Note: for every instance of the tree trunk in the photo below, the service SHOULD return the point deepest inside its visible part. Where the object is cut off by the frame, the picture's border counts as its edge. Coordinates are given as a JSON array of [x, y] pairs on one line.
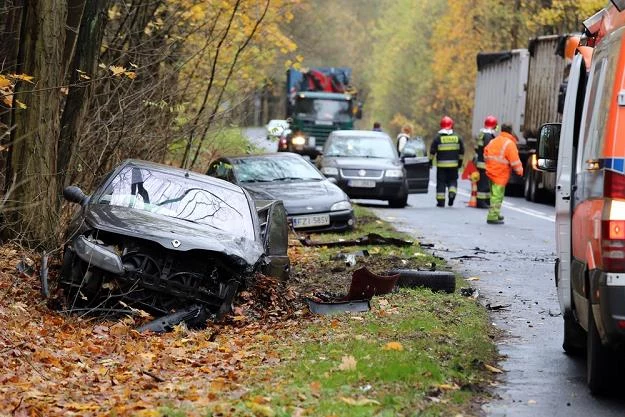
[[85, 59], [10, 19], [34, 139]]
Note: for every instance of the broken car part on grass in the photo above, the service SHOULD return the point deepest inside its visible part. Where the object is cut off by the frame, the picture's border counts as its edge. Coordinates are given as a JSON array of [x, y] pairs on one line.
[[364, 285], [163, 240], [370, 239]]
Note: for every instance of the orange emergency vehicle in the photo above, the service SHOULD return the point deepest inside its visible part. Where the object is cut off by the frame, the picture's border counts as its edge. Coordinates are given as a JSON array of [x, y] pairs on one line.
[[587, 152]]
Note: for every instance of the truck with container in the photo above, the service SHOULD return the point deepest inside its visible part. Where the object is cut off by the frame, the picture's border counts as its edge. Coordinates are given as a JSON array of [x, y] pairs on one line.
[[319, 100], [586, 151], [521, 87]]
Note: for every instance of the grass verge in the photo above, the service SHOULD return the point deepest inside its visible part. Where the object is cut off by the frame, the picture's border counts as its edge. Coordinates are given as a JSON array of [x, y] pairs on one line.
[[415, 353]]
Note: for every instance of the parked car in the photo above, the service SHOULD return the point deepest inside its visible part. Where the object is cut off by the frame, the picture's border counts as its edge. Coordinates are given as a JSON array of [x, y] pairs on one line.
[[275, 128], [159, 238], [365, 164], [312, 201]]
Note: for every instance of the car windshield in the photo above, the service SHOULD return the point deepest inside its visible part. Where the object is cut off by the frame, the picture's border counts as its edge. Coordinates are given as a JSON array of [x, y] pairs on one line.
[[171, 195], [277, 168], [323, 109], [415, 147], [360, 146]]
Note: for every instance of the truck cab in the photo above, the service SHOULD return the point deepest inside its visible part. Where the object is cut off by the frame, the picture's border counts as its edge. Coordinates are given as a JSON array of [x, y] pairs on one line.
[[314, 116], [587, 152]]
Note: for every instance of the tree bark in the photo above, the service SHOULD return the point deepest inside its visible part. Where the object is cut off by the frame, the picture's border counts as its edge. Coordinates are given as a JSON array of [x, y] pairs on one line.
[[33, 206], [85, 59]]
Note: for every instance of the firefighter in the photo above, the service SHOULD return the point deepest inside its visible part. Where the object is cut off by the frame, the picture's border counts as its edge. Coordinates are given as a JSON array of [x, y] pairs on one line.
[[501, 156], [487, 133], [448, 149]]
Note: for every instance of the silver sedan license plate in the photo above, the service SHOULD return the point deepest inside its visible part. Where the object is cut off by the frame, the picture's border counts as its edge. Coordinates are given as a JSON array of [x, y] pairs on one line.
[[311, 221], [361, 183]]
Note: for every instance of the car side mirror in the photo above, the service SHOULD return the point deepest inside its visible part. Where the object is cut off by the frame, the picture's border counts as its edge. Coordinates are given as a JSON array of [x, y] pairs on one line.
[[408, 154], [74, 194], [547, 149], [332, 180]]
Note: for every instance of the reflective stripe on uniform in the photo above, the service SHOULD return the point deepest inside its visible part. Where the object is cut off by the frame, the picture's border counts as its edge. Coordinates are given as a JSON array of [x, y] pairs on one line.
[[449, 147], [447, 164], [481, 165]]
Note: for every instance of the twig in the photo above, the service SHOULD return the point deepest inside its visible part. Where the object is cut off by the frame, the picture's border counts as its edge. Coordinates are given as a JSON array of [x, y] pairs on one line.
[[156, 377]]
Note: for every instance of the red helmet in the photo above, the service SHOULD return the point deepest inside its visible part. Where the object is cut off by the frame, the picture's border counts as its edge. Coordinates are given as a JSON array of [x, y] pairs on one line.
[[490, 122], [447, 122]]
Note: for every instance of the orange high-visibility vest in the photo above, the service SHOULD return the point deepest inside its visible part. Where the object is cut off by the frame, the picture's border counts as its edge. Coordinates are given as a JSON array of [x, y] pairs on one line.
[[501, 155]]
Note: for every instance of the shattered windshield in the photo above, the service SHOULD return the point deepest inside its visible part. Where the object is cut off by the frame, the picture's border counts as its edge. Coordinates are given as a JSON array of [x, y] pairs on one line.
[[171, 195], [325, 110], [263, 169], [360, 146]]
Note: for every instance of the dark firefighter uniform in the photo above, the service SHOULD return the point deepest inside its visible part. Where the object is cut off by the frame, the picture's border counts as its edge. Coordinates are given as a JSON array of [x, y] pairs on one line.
[[448, 150], [483, 185]]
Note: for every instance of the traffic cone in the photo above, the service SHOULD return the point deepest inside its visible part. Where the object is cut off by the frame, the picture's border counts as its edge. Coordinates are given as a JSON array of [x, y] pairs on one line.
[[473, 199]]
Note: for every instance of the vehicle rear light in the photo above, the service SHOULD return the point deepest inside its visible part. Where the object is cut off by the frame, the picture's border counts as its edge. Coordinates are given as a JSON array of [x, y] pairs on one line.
[[613, 245], [621, 324], [283, 143], [613, 185]]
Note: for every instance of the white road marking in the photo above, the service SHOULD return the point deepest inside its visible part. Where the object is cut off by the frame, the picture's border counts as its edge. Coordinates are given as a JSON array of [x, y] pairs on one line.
[[511, 206]]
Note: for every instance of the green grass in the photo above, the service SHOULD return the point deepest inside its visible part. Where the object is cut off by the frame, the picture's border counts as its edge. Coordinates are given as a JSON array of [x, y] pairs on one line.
[[224, 142], [445, 341]]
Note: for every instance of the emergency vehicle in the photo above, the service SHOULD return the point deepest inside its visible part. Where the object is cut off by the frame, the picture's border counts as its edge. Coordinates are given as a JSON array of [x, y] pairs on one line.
[[587, 152]]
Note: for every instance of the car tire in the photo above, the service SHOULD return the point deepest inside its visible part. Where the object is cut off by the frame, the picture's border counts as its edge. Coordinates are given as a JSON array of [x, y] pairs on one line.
[[574, 340], [401, 201], [599, 359], [442, 281]]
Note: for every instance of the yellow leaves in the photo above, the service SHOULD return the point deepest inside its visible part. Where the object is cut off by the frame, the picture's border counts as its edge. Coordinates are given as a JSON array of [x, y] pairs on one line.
[[261, 409], [393, 346], [493, 369], [4, 82], [348, 363], [23, 77], [118, 71]]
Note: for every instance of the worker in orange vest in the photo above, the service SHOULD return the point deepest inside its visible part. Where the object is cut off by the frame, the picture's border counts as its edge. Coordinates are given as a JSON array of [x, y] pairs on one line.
[[501, 156]]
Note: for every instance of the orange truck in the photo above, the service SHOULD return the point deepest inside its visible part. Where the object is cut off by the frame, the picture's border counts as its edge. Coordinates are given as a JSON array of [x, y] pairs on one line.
[[587, 153]]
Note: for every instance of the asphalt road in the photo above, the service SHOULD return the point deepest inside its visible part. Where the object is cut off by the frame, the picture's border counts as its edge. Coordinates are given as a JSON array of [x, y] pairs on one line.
[[514, 263]]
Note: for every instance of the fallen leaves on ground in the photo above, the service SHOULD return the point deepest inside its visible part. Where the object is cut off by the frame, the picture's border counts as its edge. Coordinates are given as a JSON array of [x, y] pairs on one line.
[[63, 365]]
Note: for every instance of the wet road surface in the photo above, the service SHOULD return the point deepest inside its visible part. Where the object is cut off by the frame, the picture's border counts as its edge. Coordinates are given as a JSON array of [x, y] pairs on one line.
[[514, 263]]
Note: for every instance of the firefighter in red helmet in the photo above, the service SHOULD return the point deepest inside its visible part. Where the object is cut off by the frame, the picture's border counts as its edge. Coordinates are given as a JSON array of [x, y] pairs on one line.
[[448, 149], [487, 133]]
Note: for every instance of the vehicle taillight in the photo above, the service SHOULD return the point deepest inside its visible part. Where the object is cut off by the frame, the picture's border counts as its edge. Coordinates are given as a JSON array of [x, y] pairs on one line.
[[283, 143], [613, 184]]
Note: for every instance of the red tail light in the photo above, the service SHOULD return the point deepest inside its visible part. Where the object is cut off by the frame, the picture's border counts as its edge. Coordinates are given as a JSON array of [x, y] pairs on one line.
[[283, 143], [613, 185]]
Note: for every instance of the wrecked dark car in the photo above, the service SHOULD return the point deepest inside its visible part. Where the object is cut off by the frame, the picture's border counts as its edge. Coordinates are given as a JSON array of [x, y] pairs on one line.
[[162, 239]]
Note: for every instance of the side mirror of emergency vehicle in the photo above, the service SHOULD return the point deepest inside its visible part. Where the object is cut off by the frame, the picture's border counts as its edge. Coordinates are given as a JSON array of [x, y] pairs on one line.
[[547, 149]]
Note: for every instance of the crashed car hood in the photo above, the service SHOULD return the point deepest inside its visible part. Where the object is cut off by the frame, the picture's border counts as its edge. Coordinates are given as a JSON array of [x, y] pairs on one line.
[[164, 230], [298, 196], [357, 163]]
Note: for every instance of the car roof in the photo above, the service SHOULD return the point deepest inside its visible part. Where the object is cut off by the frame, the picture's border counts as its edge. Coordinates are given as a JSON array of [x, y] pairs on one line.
[[139, 163], [325, 95], [264, 155], [360, 133]]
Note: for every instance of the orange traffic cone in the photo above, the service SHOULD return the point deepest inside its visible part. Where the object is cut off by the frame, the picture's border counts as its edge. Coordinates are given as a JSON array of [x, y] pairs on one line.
[[473, 199]]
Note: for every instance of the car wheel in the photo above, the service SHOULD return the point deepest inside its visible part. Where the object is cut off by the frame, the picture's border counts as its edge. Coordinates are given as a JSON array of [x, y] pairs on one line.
[[400, 202], [435, 280], [574, 341], [599, 359]]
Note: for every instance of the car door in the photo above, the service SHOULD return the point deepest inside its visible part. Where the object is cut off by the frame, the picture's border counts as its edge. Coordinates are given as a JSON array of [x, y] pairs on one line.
[[565, 175], [417, 166], [275, 235]]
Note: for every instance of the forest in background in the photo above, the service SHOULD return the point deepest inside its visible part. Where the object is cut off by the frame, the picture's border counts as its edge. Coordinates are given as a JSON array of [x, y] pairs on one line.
[[415, 60], [87, 83]]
